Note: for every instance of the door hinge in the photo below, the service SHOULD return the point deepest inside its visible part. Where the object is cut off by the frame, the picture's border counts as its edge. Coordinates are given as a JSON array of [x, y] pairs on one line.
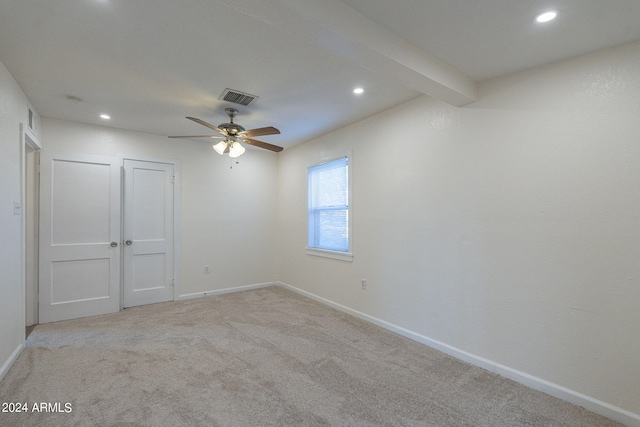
[[173, 179], [173, 282]]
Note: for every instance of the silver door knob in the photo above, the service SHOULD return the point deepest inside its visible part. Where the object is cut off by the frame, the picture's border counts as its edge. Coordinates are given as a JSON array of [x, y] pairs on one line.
[[128, 242], [114, 244]]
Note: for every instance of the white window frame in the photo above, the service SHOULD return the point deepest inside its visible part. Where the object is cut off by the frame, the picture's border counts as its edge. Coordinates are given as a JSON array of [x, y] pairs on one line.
[[326, 253]]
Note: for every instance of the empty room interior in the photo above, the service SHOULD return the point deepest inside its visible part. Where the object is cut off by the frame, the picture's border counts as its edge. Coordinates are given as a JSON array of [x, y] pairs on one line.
[[320, 212]]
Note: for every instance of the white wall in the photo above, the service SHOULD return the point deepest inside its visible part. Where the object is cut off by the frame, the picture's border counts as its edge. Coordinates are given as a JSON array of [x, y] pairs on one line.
[[13, 111], [227, 214], [507, 229]]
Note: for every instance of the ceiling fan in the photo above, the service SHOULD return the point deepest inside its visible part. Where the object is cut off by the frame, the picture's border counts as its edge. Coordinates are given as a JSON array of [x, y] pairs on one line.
[[233, 134]]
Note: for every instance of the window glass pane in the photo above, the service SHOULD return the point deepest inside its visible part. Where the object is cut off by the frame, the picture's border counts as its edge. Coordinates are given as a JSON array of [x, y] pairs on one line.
[[330, 187], [328, 206], [334, 234]]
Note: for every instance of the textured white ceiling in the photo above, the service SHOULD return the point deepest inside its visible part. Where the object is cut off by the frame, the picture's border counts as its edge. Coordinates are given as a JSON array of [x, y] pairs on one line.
[[150, 63], [490, 38]]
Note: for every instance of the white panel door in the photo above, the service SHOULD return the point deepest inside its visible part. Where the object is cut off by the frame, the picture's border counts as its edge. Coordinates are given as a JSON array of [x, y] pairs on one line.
[[148, 232], [79, 236]]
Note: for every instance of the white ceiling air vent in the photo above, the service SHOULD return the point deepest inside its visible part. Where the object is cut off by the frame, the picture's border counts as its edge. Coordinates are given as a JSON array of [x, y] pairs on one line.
[[237, 97]]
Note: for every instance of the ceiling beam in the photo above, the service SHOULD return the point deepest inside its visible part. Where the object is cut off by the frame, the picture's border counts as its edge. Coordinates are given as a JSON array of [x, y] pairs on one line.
[[334, 26]]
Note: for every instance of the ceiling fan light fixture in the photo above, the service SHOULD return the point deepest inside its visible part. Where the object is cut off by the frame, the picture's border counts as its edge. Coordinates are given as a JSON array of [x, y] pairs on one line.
[[220, 147], [236, 150]]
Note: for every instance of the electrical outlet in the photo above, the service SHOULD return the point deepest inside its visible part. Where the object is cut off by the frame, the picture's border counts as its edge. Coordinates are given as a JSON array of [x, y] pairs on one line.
[[206, 269], [364, 284]]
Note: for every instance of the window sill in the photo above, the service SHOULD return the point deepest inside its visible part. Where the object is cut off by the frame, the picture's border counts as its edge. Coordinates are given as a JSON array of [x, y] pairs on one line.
[[340, 256]]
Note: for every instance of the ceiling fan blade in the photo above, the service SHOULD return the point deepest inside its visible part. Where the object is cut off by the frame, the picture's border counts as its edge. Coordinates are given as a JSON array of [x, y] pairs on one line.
[[197, 136], [264, 145], [203, 123], [269, 130]]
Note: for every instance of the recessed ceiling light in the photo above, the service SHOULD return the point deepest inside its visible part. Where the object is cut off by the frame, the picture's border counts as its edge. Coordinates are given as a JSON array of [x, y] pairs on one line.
[[358, 90], [546, 16], [105, 116]]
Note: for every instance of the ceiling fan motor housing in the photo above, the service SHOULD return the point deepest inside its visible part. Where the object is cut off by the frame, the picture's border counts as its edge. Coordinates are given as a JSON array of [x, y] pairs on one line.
[[231, 129]]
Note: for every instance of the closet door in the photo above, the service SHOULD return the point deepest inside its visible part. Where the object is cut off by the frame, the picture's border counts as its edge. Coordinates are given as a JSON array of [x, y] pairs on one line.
[[148, 232], [79, 236]]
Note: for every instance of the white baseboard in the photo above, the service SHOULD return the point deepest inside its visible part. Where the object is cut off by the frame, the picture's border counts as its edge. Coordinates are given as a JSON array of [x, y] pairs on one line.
[[602, 408], [10, 361], [226, 290]]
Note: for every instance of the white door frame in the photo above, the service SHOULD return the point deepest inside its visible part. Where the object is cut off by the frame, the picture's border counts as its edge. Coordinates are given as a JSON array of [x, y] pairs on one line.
[[177, 197], [29, 143]]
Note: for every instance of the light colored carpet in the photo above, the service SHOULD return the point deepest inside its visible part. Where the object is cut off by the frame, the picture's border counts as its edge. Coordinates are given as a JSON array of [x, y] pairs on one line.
[[266, 357]]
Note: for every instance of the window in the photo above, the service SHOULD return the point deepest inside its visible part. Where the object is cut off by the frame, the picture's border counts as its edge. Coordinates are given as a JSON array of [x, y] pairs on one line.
[[328, 224]]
